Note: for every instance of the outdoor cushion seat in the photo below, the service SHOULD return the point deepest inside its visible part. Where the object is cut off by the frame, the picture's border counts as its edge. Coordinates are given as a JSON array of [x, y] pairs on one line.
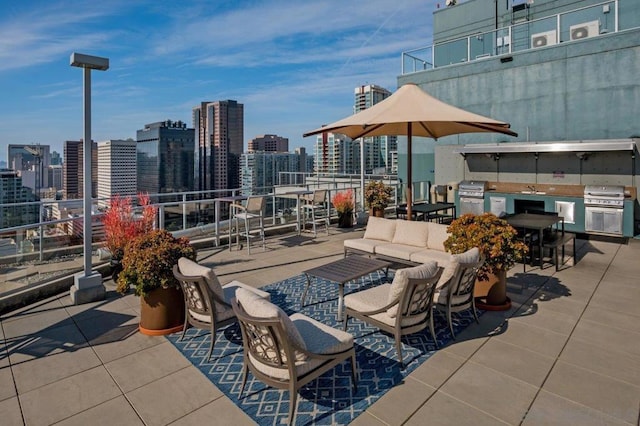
[[288, 352], [456, 294], [403, 307], [364, 244], [399, 251], [207, 303], [424, 256]]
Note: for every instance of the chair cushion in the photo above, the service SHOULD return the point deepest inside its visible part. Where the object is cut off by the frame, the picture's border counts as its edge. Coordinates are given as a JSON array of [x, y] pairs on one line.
[[437, 236], [401, 279], [411, 233], [379, 228], [191, 269], [258, 307], [321, 338], [375, 298], [470, 256], [229, 290]]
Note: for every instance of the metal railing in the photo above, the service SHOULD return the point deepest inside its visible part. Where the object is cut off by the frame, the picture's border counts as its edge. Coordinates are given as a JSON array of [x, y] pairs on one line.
[[28, 251], [577, 24]]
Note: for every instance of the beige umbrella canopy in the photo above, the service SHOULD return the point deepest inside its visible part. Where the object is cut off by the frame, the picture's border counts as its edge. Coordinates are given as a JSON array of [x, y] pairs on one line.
[[410, 111]]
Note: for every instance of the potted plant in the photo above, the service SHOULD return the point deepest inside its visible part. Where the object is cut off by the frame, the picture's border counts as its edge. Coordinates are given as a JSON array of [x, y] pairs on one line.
[[344, 205], [148, 268], [377, 196], [121, 225], [498, 241]]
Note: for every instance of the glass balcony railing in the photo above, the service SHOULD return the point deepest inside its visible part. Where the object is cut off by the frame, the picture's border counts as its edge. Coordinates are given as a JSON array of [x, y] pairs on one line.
[[589, 21], [42, 251]]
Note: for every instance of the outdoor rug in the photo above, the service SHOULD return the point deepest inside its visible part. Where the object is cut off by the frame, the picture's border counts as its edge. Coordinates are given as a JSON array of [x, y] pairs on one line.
[[330, 399]]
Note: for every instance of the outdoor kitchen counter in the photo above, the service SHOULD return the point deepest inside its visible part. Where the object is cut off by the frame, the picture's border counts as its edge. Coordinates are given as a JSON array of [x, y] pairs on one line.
[[551, 190]]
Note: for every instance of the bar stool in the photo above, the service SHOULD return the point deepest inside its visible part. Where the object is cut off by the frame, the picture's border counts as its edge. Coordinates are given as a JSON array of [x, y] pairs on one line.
[[254, 209], [316, 203]]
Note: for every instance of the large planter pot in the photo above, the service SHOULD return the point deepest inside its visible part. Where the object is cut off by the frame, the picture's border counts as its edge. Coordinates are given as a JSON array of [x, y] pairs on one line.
[[345, 219], [377, 212], [491, 294], [162, 311]]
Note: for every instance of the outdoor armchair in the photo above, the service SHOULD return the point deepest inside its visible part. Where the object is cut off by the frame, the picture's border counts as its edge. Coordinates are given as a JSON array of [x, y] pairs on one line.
[[403, 307], [288, 352], [207, 303]]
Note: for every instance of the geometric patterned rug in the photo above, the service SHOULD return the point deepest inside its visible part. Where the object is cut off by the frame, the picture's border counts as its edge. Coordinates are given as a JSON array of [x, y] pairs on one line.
[[330, 399]]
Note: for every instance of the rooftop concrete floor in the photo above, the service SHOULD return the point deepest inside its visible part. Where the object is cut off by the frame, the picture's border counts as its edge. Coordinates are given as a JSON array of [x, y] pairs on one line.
[[567, 352]]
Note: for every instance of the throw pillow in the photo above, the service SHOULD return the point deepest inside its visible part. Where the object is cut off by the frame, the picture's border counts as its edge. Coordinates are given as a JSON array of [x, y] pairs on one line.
[[401, 279], [258, 307]]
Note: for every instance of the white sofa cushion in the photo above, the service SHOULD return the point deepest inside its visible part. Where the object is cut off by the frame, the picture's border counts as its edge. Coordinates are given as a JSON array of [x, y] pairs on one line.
[[399, 251], [437, 236], [379, 228], [401, 279], [424, 256], [411, 233], [229, 290], [363, 244]]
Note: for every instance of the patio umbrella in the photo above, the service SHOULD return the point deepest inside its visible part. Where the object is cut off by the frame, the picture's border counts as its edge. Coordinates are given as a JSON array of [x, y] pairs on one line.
[[410, 111]]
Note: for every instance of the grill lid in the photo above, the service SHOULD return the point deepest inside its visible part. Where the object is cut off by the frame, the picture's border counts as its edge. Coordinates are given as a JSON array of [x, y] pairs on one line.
[[473, 185], [605, 191]]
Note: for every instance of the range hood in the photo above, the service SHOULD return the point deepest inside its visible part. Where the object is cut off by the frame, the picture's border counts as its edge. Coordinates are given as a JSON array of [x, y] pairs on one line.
[[560, 146]]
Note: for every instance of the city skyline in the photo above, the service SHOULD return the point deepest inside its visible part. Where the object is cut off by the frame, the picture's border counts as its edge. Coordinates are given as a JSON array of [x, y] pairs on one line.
[[293, 66]]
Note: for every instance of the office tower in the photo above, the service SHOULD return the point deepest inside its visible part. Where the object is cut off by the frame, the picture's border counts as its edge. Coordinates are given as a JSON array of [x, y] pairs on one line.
[[33, 159], [116, 169], [165, 154], [260, 171], [56, 159], [72, 175], [13, 192], [378, 149], [268, 143], [55, 176], [336, 153], [219, 136]]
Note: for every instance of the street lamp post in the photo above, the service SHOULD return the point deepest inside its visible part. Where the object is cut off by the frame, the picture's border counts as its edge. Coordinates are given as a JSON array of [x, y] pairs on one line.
[[88, 285]]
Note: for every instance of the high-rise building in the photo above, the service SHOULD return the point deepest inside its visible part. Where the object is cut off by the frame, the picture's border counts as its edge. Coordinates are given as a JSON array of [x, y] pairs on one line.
[[165, 153], [33, 159], [116, 169], [268, 143], [56, 159], [260, 171], [378, 150], [219, 140], [336, 154], [13, 192], [72, 174]]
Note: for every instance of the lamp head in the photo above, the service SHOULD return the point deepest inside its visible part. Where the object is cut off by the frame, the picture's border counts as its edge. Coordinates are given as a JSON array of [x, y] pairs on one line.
[[87, 61]]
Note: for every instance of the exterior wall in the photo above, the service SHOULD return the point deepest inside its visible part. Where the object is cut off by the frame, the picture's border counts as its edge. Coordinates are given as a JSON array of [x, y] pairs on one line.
[[116, 169], [268, 143]]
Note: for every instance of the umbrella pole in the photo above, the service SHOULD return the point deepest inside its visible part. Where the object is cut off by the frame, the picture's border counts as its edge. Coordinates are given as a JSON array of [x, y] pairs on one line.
[[409, 174]]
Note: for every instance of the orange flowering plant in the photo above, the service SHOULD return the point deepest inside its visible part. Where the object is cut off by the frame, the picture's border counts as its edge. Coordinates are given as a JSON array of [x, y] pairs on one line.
[[343, 201], [121, 224], [495, 238]]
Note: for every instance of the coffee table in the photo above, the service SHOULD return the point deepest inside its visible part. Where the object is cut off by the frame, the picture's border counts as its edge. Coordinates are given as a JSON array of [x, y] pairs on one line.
[[342, 271]]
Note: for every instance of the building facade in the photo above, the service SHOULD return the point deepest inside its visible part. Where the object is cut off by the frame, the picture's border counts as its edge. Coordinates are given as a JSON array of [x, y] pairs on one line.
[[260, 171], [13, 192], [116, 170], [378, 150], [72, 173], [32, 162], [165, 157], [336, 154], [268, 143], [555, 70], [219, 141]]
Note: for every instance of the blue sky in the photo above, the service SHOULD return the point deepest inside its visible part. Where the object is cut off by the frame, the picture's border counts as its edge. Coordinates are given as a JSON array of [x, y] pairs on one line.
[[293, 64]]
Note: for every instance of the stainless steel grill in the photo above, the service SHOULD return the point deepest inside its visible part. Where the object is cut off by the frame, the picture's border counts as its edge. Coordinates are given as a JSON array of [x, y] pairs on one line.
[[604, 196], [604, 209], [471, 195]]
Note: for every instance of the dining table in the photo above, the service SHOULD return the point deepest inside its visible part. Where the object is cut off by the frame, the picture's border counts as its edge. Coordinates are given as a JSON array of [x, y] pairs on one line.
[[428, 210], [535, 222]]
